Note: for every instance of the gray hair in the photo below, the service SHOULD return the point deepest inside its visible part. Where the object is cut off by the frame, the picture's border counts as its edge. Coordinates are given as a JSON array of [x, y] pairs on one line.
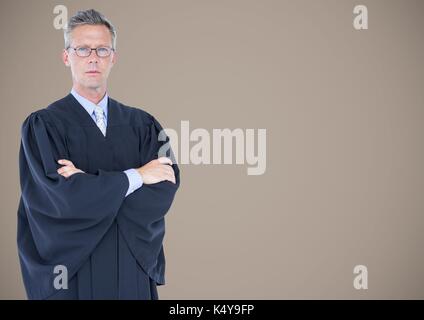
[[88, 17]]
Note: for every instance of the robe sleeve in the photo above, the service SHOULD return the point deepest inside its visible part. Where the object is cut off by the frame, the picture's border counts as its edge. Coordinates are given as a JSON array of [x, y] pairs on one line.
[[60, 220], [141, 217]]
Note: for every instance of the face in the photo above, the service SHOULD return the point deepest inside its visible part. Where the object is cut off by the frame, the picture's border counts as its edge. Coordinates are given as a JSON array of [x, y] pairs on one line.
[[89, 73]]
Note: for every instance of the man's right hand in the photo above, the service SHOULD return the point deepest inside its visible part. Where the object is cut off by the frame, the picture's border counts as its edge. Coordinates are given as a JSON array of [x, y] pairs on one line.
[[157, 170]]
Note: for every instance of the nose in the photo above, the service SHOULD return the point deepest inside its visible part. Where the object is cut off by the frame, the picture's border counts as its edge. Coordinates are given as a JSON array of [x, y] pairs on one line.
[[93, 58]]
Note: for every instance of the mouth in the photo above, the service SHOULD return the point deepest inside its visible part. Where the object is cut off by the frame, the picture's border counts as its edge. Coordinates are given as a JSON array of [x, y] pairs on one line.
[[92, 72]]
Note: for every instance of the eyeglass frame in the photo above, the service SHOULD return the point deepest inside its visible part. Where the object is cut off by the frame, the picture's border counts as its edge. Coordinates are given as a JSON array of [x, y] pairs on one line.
[[91, 50]]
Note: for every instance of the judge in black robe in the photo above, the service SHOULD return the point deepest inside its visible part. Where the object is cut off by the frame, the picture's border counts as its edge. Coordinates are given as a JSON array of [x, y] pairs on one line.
[[111, 245]]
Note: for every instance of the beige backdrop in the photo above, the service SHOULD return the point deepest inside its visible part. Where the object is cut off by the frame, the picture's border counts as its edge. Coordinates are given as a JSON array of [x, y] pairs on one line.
[[344, 113]]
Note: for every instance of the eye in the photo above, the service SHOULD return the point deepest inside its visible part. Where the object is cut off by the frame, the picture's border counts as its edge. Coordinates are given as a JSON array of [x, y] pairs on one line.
[[83, 50], [103, 51]]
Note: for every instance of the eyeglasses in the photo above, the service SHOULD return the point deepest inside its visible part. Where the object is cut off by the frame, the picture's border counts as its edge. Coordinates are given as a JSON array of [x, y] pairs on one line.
[[102, 52]]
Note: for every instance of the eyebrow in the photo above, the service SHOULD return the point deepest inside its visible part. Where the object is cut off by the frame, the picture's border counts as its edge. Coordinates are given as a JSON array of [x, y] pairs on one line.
[[86, 45]]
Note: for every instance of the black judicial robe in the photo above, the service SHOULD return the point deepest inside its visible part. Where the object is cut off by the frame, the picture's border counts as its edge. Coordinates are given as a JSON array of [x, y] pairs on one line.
[[111, 245]]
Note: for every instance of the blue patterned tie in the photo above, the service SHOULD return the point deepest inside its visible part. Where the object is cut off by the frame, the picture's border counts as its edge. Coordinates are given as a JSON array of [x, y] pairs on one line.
[[100, 119]]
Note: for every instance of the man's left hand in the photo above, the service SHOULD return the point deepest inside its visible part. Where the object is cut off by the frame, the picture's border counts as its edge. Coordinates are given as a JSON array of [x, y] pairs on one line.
[[68, 169]]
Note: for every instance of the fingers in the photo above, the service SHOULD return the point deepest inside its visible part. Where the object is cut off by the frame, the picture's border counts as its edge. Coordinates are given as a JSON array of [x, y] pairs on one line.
[[165, 160], [164, 172], [169, 174], [158, 170], [172, 179], [169, 171], [68, 169], [66, 162], [64, 169]]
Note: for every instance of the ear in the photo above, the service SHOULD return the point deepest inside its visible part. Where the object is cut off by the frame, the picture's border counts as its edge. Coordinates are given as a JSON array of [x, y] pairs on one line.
[[114, 57], [65, 58]]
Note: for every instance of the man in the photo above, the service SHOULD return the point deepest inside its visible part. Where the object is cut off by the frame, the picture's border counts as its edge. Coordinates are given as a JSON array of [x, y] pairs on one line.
[[95, 188]]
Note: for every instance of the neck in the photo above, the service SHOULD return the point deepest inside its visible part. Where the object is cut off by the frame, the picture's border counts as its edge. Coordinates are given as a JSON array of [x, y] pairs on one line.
[[95, 95]]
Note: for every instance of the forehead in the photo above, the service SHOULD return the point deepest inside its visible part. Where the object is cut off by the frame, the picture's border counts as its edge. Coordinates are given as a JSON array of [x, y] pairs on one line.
[[92, 35]]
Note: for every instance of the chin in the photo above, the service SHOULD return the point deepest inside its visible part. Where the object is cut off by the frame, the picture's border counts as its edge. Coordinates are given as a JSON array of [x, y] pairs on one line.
[[92, 84]]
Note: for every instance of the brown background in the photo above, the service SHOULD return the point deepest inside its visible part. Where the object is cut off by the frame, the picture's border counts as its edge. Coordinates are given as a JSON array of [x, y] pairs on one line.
[[343, 111]]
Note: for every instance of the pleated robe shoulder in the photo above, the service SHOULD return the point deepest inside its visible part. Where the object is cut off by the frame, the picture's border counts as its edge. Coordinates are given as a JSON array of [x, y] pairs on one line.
[[110, 245]]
